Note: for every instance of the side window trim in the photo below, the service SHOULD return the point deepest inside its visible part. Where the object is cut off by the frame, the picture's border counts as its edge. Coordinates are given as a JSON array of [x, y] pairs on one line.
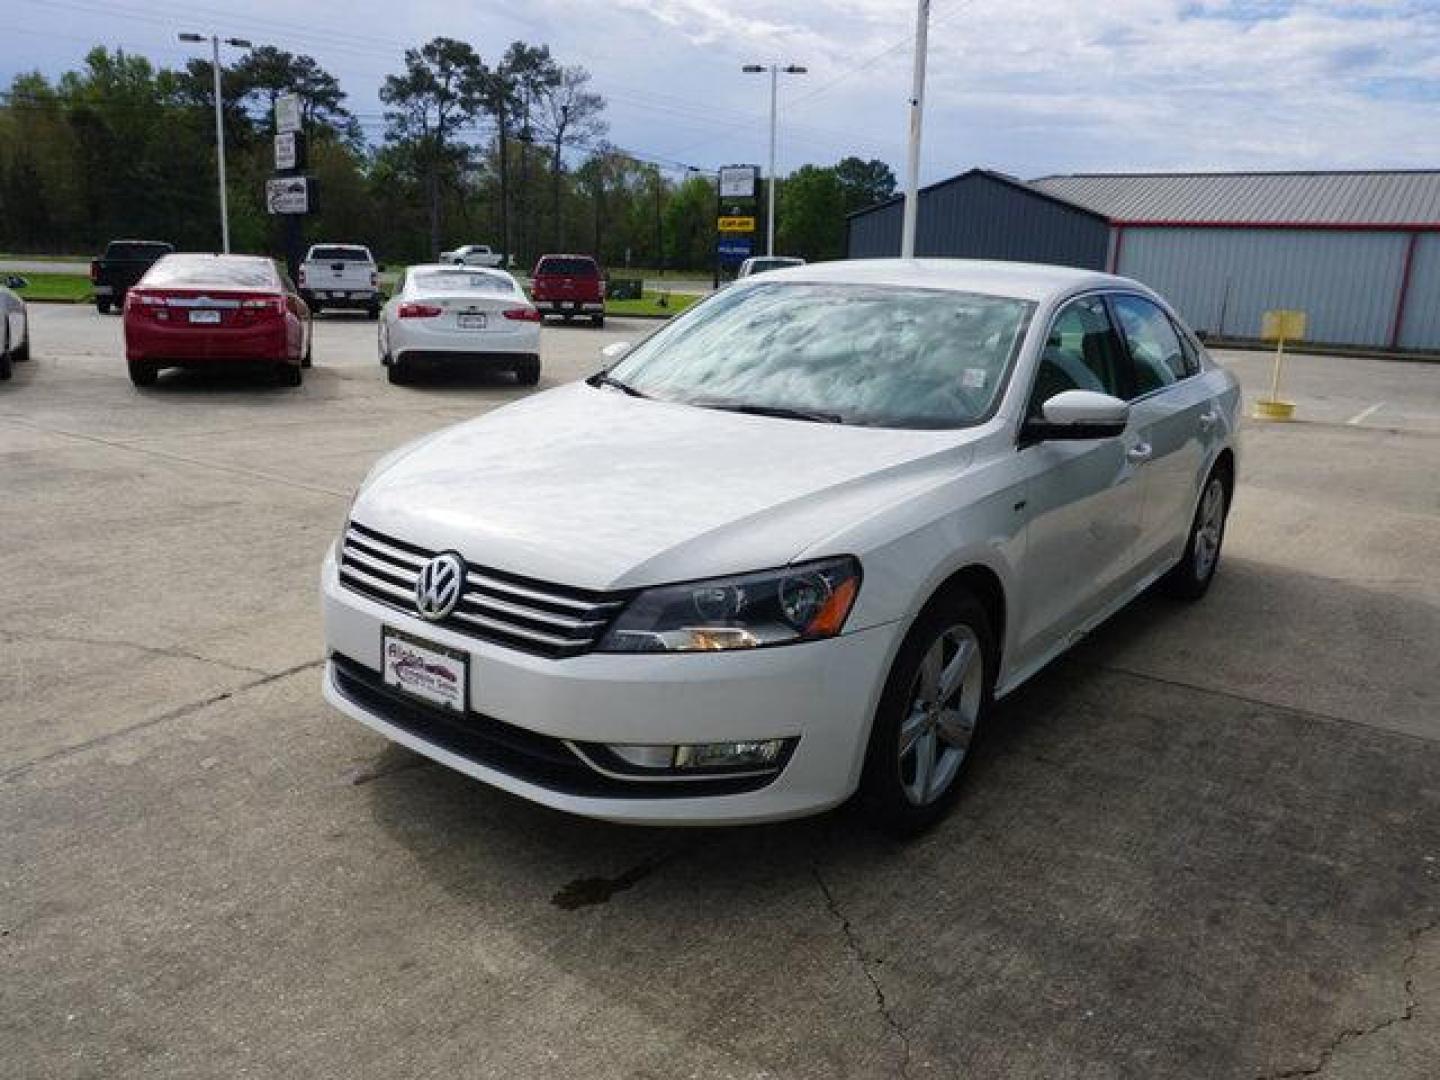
[[1102, 295]]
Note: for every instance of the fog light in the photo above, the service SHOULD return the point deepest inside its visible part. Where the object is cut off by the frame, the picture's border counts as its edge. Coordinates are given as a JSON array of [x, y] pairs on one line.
[[759, 754], [646, 757]]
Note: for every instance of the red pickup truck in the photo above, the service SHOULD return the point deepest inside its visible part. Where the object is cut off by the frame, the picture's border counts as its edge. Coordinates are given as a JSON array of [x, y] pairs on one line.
[[569, 285]]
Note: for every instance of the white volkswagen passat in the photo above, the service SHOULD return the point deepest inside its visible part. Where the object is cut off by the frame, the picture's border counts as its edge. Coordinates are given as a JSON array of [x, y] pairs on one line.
[[790, 547], [449, 315]]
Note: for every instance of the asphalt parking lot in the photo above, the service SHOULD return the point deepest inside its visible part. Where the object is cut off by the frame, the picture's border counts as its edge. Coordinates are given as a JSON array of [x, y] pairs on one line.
[[1206, 844]]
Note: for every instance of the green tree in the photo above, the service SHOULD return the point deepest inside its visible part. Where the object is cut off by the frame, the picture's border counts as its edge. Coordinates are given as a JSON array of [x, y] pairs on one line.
[[440, 91], [811, 215], [864, 182]]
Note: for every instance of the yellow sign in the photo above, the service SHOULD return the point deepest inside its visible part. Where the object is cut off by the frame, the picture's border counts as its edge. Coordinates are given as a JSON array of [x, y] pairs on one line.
[[1283, 326], [735, 224]]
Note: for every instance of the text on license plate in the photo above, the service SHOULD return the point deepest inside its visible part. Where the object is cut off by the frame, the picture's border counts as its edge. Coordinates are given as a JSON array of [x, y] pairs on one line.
[[204, 316], [470, 322], [423, 669]]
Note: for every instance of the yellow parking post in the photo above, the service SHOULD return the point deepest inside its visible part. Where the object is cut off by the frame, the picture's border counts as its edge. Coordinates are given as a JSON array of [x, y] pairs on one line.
[[1279, 326]]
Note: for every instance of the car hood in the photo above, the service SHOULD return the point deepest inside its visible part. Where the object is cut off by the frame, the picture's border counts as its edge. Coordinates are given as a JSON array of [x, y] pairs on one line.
[[595, 489]]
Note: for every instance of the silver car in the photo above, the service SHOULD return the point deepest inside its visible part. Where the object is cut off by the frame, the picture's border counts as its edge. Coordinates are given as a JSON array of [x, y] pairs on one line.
[[14, 326]]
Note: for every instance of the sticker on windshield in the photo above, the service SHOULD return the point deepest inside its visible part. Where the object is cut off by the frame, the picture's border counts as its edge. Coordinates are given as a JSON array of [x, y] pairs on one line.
[[974, 378]]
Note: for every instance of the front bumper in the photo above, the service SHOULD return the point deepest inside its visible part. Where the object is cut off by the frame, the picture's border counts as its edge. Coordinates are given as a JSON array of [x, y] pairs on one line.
[[821, 693]]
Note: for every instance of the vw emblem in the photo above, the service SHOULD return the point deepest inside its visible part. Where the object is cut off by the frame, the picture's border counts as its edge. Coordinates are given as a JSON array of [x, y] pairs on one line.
[[438, 588]]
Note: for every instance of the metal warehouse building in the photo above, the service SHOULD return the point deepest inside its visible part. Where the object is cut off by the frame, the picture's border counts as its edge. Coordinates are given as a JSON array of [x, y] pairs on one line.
[[1358, 251]]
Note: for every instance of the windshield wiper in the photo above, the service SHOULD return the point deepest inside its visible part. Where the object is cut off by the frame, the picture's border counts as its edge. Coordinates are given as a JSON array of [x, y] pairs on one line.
[[604, 378], [781, 411]]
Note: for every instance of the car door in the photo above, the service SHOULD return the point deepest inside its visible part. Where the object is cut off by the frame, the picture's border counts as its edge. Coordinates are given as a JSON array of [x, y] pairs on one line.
[[1174, 418], [1083, 498]]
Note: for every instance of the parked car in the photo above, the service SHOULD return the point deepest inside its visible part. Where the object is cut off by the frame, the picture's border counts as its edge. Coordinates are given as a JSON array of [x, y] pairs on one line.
[[569, 285], [442, 315], [473, 255], [790, 547], [14, 326], [202, 311], [340, 276], [123, 264], [759, 264]]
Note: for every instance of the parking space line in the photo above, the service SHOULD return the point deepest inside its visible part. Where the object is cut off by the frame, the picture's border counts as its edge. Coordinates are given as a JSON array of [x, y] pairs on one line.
[[1365, 414]]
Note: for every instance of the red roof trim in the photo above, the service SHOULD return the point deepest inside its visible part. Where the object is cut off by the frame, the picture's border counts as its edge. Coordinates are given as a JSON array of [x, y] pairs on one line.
[[1319, 226]]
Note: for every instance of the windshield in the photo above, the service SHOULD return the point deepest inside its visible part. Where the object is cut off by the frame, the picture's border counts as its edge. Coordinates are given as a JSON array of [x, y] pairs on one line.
[[210, 270], [866, 354], [451, 280]]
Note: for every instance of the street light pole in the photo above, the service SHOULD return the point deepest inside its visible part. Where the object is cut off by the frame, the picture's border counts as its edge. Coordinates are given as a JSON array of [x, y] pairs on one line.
[[917, 114], [239, 43], [775, 70]]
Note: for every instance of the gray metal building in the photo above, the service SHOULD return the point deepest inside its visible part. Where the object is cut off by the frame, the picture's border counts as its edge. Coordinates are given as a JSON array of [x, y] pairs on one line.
[[1358, 251]]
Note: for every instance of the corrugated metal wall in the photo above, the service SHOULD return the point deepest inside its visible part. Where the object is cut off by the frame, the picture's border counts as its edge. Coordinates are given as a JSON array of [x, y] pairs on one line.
[[977, 217], [1421, 326], [1223, 280]]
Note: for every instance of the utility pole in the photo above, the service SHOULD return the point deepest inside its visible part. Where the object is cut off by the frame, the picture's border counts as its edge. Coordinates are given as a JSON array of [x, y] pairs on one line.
[[917, 114], [775, 71], [239, 43]]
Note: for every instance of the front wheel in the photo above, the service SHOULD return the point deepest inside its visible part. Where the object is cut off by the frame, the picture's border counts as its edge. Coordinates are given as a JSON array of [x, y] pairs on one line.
[[1191, 577], [934, 704]]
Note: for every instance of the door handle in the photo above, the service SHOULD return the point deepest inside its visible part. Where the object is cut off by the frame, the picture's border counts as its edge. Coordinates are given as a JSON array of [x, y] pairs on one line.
[[1139, 453]]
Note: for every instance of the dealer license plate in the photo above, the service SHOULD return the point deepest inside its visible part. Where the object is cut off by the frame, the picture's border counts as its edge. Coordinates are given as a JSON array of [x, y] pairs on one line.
[[205, 317], [433, 673], [471, 322]]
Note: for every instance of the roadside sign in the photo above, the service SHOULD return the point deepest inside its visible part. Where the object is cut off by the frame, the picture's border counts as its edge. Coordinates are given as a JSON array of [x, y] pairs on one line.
[[288, 195], [287, 113], [735, 249], [735, 224], [287, 151], [1283, 326], [738, 181]]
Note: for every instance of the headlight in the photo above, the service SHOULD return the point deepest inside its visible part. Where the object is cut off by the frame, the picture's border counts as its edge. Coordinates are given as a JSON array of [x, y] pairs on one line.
[[771, 607]]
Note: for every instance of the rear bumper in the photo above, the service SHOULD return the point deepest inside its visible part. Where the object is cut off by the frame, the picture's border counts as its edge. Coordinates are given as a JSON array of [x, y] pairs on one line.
[[569, 307], [336, 298], [464, 356], [193, 345]]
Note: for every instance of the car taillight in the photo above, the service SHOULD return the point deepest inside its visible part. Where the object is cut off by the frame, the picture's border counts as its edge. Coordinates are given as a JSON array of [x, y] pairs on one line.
[[300, 275], [269, 305], [374, 280], [419, 311], [522, 314], [147, 304]]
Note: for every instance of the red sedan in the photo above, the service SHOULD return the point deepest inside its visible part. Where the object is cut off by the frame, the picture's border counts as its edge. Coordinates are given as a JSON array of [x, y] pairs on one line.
[[199, 311]]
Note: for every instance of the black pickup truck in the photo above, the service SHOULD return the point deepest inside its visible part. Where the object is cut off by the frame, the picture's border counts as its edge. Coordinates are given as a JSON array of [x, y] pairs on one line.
[[123, 264]]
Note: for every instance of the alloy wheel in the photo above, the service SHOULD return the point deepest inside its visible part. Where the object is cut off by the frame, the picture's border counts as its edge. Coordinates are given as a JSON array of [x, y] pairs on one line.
[[1209, 527], [941, 715]]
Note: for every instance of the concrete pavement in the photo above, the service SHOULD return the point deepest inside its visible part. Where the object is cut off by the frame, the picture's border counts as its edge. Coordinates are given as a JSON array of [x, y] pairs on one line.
[[1205, 844]]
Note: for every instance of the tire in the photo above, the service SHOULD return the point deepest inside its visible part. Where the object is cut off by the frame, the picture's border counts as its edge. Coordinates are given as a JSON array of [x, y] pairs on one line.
[[1190, 579], [308, 359], [6, 365], [102, 306], [22, 354], [143, 374], [397, 373], [898, 793], [597, 321], [527, 371], [374, 313], [291, 374]]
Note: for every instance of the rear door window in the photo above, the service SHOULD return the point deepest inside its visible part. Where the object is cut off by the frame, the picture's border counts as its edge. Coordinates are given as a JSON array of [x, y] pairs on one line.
[[1155, 349]]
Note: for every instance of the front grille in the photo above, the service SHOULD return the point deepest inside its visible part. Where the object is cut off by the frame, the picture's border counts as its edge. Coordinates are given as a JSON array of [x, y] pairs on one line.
[[532, 616]]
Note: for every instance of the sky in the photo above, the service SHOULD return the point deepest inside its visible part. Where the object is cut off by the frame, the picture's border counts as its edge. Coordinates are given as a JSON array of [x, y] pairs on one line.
[[1028, 87]]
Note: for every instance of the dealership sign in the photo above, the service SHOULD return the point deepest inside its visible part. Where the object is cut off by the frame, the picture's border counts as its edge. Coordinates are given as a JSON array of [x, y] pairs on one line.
[[735, 224], [734, 249], [288, 195], [287, 151], [738, 181]]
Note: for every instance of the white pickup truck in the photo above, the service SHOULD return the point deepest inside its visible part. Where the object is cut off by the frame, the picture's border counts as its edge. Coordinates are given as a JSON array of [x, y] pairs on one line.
[[473, 255], [341, 276]]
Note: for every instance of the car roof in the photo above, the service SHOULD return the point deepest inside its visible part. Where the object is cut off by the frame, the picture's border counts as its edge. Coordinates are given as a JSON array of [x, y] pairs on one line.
[[1024, 281], [566, 255]]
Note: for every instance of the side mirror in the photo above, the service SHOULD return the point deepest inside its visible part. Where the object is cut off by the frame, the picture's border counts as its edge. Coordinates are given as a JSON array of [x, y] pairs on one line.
[[15, 281], [615, 350], [1079, 414]]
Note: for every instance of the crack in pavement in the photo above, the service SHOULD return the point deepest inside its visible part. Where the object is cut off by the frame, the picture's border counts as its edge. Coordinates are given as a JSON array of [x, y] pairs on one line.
[[852, 946], [1352, 1034], [150, 650], [172, 714]]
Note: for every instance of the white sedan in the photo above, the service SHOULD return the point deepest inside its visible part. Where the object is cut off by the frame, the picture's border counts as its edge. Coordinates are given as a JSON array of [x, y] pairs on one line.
[[791, 547], [14, 325], [444, 315]]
